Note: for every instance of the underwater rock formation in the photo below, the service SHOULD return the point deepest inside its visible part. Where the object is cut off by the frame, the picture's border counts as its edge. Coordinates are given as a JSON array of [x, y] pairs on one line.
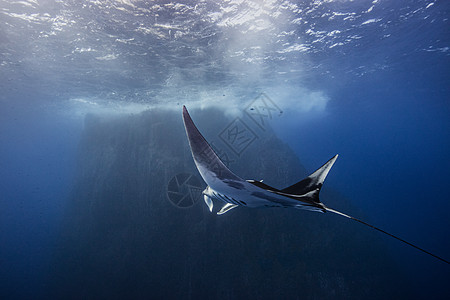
[[123, 238]]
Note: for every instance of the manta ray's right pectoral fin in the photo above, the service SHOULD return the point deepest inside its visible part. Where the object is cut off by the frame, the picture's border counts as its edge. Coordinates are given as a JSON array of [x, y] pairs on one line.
[[226, 207], [208, 202]]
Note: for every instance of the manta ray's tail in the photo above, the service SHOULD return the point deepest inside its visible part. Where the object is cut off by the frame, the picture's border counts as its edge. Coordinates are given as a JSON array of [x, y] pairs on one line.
[[381, 230], [312, 184]]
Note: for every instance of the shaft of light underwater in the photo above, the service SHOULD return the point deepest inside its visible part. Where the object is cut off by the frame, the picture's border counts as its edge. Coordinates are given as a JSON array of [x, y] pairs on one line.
[[381, 230]]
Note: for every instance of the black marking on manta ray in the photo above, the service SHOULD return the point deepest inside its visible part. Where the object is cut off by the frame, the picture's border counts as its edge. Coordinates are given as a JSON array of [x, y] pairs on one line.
[[277, 200], [227, 199], [265, 196], [224, 198], [231, 199], [305, 192], [234, 184], [219, 196], [263, 185]]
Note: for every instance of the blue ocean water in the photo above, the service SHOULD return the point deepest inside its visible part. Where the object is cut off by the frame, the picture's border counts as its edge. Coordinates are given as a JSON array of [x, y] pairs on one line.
[[368, 80]]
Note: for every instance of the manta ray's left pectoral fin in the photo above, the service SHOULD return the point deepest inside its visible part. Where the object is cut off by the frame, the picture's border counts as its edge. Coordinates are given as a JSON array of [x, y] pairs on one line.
[[227, 207]]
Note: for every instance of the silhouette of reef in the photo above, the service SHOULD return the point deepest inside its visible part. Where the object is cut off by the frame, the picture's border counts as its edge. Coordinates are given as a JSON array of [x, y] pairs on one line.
[[123, 238]]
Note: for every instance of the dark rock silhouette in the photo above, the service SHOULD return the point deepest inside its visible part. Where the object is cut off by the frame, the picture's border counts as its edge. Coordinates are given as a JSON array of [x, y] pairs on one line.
[[124, 239]]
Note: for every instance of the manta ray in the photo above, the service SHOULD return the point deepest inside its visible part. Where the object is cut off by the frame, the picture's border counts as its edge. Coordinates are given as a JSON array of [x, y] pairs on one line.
[[231, 191]]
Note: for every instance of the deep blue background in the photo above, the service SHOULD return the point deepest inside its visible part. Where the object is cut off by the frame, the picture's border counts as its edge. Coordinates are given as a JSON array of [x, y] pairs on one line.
[[388, 117], [37, 165]]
